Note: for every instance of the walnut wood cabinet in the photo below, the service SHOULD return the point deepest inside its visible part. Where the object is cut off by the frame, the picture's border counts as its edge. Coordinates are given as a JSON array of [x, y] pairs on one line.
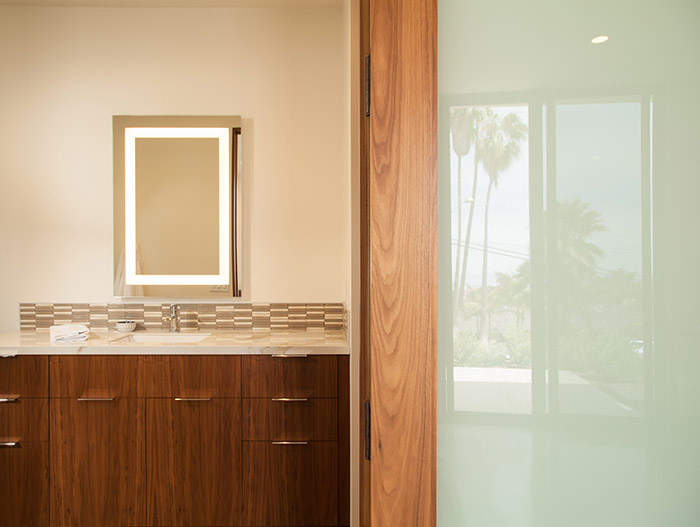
[[193, 449], [24, 447], [98, 433], [292, 448], [177, 440]]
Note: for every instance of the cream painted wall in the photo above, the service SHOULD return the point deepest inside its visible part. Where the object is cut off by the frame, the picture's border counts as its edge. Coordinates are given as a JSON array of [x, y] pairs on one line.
[[353, 99], [66, 71]]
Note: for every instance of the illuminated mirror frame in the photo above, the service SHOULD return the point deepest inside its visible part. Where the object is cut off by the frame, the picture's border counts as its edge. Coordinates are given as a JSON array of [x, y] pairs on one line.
[[131, 134]]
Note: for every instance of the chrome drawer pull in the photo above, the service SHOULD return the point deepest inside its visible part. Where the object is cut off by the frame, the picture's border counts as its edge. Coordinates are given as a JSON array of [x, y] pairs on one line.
[[290, 442], [9, 398], [95, 399], [10, 441], [295, 356], [203, 399], [289, 399]]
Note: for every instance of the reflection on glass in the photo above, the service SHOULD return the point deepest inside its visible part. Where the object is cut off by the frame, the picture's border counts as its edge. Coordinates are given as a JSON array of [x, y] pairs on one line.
[[490, 271], [569, 311], [598, 258]]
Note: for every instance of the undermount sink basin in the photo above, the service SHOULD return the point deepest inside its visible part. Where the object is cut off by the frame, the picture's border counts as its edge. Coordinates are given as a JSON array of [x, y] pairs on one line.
[[166, 338]]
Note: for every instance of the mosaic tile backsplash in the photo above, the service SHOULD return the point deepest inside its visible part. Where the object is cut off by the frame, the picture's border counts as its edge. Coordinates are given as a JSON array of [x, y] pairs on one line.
[[193, 317]]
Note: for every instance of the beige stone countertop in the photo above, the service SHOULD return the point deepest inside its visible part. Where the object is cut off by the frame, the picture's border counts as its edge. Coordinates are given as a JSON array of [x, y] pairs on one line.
[[214, 342]]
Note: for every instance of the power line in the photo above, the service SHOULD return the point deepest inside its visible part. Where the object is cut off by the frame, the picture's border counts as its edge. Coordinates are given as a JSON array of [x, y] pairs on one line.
[[499, 251]]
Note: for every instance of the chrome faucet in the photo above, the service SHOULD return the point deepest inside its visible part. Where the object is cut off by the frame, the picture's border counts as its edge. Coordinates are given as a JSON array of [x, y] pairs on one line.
[[174, 318]]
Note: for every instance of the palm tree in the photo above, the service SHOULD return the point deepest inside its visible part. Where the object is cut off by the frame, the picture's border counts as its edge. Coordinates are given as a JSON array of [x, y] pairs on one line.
[[462, 131], [501, 138], [522, 281], [477, 116], [576, 223], [513, 291], [577, 256]]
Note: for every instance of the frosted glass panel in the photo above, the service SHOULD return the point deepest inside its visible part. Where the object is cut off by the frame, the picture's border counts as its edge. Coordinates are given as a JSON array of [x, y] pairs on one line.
[[569, 292]]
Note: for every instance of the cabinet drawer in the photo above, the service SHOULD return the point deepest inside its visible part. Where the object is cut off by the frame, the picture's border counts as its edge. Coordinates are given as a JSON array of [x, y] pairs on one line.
[[291, 485], [25, 418], [193, 376], [270, 376], [25, 375], [295, 420], [24, 485], [96, 376]]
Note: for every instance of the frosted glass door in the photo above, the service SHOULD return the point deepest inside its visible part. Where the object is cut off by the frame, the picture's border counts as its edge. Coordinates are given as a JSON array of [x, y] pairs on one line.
[[569, 341]]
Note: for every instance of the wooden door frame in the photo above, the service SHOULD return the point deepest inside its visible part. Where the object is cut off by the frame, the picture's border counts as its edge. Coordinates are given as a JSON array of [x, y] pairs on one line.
[[399, 264], [365, 464]]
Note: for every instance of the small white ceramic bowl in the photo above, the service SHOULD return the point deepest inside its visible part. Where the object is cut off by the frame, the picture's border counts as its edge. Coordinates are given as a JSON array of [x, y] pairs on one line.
[[126, 326]]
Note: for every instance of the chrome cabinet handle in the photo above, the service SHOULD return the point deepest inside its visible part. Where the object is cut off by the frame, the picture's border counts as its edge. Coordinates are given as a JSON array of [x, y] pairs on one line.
[[295, 356], [203, 399], [95, 399], [289, 399], [10, 442], [9, 398], [290, 442]]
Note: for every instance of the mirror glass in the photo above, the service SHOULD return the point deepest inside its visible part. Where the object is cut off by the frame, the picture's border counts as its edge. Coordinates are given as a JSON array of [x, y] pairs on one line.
[[175, 201]]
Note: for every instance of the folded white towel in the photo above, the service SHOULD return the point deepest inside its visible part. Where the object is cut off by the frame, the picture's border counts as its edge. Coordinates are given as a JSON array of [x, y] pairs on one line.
[[69, 333]]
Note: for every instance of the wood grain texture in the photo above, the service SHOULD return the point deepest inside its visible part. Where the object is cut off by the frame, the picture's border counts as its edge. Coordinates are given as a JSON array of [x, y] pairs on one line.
[[344, 440], [97, 375], [24, 485], [98, 468], [25, 375], [312, 376], [25, 418], [310, 420], [192, 376], [194, 463], [403, 261], [291, 485]]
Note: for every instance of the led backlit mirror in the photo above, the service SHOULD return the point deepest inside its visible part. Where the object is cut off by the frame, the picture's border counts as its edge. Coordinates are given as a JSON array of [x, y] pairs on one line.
[[175, 206]]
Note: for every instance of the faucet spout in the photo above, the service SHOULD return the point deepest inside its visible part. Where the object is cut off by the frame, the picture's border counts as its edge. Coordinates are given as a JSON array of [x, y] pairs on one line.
[[174, 318]]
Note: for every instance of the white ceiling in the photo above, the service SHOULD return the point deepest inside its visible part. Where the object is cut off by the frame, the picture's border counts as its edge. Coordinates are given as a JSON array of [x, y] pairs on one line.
[[175, 3]]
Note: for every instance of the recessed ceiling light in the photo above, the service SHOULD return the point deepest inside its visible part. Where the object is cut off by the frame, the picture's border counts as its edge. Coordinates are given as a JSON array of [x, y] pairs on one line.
[[600, 39]]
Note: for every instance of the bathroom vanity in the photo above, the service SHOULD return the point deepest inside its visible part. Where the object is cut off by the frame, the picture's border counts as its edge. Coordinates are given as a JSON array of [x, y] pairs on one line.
[[224, 432]]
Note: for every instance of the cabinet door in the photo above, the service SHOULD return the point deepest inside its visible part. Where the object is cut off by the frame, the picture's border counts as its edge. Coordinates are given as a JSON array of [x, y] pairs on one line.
[[24, 482], [98, 463], [291, 484], [194, 462]]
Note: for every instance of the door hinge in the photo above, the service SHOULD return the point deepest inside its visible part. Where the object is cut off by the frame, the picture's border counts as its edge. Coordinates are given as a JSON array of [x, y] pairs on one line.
[[368, 84], [368, 431]]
